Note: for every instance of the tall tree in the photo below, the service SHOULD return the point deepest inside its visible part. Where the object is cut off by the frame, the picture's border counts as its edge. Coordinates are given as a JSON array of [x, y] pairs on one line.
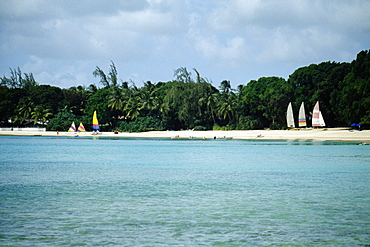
[[352, 97], [182, 74], [18, 79], [267, 99], [225, 87], [107, 81], [210, 99]]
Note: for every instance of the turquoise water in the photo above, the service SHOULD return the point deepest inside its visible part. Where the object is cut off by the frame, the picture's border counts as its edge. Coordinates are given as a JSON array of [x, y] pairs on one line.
[[119, 192]]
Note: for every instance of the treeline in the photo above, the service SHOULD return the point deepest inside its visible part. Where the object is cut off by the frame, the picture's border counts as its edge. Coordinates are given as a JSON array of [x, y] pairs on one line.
[[191, 101]]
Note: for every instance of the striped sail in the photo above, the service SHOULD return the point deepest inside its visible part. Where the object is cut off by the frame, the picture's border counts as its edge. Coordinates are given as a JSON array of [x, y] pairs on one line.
[[81, 128], [95, 122], [317, 118], [302, 116], [289, 116], [72, 128]]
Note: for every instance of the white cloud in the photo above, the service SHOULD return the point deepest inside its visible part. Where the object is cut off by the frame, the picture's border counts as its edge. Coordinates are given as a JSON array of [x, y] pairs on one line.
[[68, 34], [230, 51], [292, 30], [59, 73], [63, 41]]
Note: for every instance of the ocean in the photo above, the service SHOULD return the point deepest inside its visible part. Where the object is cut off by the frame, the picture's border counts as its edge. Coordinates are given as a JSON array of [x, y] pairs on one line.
[[161, 192]]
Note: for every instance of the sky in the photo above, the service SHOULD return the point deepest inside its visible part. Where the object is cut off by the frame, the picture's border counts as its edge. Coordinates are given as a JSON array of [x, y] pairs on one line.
[[62, 41]]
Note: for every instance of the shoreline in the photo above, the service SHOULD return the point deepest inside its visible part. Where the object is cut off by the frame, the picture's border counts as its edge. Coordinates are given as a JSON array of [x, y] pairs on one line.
[[334, 134]]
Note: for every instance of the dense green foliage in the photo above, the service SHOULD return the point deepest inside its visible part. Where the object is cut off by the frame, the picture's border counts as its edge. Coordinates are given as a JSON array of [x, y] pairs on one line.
[[191, 102]]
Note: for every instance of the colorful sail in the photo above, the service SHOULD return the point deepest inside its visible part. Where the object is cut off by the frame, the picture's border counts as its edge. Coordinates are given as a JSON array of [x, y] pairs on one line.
[[72, 128], [81, 128], [95, 122], [302, 116], [289, 116], [317, 118]]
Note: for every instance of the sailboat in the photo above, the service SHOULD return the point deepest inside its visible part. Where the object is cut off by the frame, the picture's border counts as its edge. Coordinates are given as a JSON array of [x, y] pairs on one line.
[[72, 128], [81, 128], [317, 118], [95, 123], [289, 116], [302, 116]]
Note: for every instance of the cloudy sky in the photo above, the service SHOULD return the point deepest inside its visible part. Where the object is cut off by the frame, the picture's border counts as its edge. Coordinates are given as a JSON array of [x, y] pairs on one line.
[[62, 41]]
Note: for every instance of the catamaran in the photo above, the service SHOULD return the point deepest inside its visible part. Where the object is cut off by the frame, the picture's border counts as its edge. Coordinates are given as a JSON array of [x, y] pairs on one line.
[[81, 128], [289, 116], [95, 123], [72, 128], [317, 118], [302, 116]]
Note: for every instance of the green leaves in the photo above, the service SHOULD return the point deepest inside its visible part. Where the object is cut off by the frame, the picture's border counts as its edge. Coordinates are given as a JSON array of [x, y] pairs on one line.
[[18, 79], [107, 81], [40, 114], [191, 100]]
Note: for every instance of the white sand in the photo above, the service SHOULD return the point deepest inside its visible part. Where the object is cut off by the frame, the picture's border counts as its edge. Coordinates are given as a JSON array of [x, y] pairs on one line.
[[335, 134]]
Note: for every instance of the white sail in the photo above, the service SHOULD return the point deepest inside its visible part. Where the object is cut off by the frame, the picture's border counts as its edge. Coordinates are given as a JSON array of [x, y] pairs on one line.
[[289, 116], [302, 116], [72, 128], [321, 120], [317, 118]]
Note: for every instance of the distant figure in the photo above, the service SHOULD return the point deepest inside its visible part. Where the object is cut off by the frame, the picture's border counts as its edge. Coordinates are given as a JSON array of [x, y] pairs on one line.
[[57, 132]]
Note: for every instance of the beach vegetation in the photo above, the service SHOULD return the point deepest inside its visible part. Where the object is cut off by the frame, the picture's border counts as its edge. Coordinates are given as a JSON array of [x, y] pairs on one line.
[[40, 114], [191, 101], [141, 124], [62, 120], [200, 128]]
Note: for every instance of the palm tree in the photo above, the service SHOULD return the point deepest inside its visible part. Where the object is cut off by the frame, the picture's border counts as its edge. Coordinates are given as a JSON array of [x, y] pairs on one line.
[[148, 98], [225, 87], [116, 99], [210, 100], [226, 108], [133, 108], [24, 109], [40, 114]]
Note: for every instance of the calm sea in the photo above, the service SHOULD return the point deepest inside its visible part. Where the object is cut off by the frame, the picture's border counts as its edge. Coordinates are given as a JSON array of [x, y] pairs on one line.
[[140, 192]]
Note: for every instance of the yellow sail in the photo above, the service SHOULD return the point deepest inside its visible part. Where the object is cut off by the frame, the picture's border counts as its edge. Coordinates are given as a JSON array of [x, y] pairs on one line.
[[95, 122], [81, 128]]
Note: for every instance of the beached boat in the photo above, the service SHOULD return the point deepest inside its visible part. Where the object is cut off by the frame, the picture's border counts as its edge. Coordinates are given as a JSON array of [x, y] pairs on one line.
[[96, 127], [81, 128], [72, 128], [317, 118], [302, 116], [289, 116]]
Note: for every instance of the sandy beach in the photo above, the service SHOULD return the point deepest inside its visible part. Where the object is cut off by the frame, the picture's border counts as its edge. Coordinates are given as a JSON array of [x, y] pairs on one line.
[[334, 134]]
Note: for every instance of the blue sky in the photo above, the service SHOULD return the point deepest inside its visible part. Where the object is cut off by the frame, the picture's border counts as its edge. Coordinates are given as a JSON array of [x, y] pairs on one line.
[[62, 41]]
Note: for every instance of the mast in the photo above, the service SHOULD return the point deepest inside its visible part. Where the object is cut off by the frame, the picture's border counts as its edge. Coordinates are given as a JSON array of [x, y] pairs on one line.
[[289, 116], [302, 116]]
